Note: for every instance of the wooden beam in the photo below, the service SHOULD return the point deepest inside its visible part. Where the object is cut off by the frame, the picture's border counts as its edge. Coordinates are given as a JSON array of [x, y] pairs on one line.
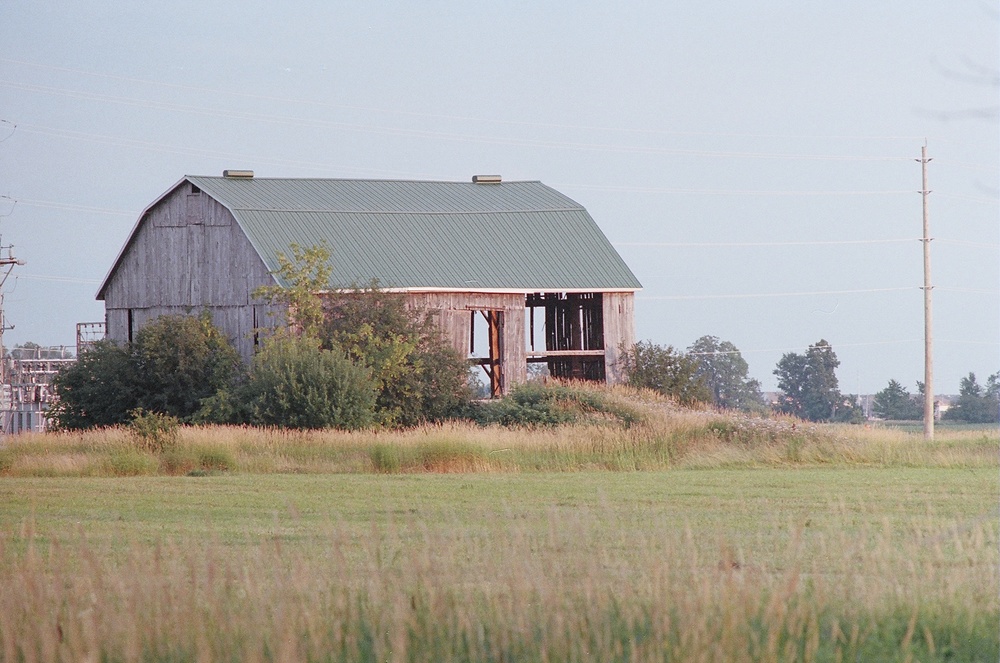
[[567, 353]]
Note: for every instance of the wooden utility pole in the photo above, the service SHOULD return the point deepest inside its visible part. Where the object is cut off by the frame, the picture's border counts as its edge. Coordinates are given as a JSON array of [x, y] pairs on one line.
[[928, 336], [8, 262]]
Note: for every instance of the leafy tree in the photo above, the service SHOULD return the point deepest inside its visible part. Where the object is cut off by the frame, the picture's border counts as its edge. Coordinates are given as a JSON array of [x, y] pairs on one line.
[[895, 402], [294, 383], [663, 369], [301, 277], [98, 389], [418, 374], [976, 405], [175, 363], [809, 384], [723, 370], [182, 360]]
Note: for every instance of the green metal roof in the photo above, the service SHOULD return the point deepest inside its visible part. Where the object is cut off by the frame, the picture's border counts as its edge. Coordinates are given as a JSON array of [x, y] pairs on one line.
[[410, 234]]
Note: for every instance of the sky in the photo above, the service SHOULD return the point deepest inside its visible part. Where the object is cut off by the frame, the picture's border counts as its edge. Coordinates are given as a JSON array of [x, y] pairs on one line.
[[755, 164]]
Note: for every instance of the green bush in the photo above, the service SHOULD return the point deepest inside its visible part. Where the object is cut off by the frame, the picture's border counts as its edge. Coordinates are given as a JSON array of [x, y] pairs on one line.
[[664, 370], [153, 432], [534, 404], [294, 383], [418, 375], [98, 389], [175, 363]]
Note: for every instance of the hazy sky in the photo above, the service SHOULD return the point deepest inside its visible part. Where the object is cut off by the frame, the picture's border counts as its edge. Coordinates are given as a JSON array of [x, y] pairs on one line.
[[752, 162]]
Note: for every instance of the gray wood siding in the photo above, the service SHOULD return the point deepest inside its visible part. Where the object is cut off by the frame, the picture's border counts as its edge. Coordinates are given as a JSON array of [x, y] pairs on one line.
[[619, 331], [188, 254]]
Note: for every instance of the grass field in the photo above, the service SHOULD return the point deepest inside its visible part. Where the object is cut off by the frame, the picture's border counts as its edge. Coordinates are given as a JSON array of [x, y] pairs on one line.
[[650, 534], [719, 564]]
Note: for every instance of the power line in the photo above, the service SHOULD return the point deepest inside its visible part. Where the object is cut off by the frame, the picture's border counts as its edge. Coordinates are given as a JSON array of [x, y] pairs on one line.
[[441, 116], [726, 192], [698, 245], [67, 206], [771, 294], [415, 133]]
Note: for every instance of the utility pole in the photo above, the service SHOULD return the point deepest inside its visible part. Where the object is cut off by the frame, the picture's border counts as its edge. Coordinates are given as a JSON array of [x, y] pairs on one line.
[[928, 336], [7, 262]]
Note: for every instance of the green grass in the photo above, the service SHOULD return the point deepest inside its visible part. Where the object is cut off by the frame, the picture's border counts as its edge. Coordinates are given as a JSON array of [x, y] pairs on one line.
[[721, 564], [242, 507]]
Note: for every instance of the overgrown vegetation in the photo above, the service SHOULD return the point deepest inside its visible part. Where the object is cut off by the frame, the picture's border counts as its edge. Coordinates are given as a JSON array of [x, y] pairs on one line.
[[418, 376], [294, 383], [550, 428], [536, 404], [356, 359], [666, 371], [175, 363]]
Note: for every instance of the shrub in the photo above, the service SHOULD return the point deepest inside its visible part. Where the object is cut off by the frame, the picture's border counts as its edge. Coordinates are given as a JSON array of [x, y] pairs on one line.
[[152, 431], [98, 389], [666, 371], [418, 375], [176, 362], [534, 404], [294, 383], [182, 360]]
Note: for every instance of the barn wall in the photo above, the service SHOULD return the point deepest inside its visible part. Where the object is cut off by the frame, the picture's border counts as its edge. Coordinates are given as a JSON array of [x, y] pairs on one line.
[[188, 254], [619, 331], [452, 311]]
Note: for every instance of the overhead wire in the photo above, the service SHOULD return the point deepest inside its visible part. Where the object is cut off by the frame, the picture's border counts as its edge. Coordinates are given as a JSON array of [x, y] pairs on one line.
[[442, 116], [418, 133]]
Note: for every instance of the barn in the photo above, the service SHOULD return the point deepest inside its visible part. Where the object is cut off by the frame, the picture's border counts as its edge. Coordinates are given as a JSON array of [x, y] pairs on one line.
[[514, 272]]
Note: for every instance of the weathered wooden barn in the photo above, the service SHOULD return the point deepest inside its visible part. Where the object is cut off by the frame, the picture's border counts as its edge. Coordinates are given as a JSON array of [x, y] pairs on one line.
[[514, 272]]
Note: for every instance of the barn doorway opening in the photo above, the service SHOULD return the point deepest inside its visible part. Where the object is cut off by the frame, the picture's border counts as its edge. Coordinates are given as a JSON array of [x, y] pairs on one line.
[[486, 346], [571, 327]]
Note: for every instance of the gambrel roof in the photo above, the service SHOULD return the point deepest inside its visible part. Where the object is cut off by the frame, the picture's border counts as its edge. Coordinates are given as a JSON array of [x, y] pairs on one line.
[[416, 235]]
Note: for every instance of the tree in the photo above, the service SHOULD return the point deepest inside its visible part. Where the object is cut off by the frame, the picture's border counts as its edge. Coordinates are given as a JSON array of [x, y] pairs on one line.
[[301, 278], [662, 369], [895, 403], [975, 404], [182, 360], [723, 370], [175, 363], [294, 383], [809, 384], [98, 389], [418, 375]]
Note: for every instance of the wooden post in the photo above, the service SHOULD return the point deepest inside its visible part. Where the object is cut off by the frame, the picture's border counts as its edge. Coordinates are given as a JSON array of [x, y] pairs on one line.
[[928, 335]]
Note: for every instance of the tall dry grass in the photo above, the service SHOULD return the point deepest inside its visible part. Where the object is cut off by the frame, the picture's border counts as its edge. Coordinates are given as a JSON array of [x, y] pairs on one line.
[[662, 436], [586, 587]]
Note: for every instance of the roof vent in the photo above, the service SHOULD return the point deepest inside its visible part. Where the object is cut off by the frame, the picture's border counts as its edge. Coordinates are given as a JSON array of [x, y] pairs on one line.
[[239, 174], [486, 179]]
